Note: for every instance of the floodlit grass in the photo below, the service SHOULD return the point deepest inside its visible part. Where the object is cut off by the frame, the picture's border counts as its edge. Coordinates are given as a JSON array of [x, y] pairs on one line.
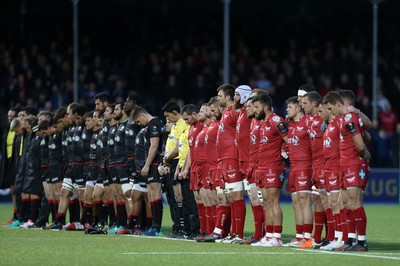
[[39, 247]]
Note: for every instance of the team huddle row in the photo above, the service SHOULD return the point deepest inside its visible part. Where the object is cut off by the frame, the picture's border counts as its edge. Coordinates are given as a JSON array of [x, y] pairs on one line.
[[116, 161]]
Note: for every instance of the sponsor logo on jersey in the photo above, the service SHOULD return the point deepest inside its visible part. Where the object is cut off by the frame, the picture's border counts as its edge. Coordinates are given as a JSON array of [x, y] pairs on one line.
[[231, 175], [351, 179], [327, 142], [332, 183], [362, 174], [347, 117], [264, 140], [302, 183]]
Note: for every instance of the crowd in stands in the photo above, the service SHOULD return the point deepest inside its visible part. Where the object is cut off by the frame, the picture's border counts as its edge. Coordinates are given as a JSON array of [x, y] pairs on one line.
[[185, 64]]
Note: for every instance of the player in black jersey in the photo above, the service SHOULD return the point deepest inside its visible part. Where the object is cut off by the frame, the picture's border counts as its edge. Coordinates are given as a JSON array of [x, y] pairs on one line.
[[154, 130], [121, 182], [56, 163], [91, 167], [102, 195], [131, 130], [77, 157], [102, 100], [68, 197]]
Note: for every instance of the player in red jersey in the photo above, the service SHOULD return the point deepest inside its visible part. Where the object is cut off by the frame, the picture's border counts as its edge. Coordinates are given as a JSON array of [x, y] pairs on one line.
[[331, 171], [203, 183], [228, 157], [322, 212], [250, 184], [300, 171], [271, 170], [354, 171], [222, 221], [243, 140], [190, 115]]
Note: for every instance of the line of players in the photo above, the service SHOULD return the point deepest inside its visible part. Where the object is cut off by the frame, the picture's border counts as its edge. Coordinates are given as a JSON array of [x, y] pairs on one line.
[[235, 137], [324, 140]]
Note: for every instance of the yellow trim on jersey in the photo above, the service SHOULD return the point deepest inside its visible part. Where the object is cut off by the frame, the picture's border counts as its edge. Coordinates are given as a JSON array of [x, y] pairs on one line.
[[21, 144], [9, 143]]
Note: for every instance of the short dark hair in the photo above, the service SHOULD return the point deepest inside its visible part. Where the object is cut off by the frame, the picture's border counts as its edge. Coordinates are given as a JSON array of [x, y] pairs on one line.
[[293, 100], [333, 97], [313, 96], [60, 113], [100, 113], [16, 109], [213, 100], [190, 108], [72, 106], [29, 110], [170, 107], [135, 98], [228, 90], [348, 95], [103, 97], [46, 113], [80, 110], [44, 124], [259, 92], [138, 110], [112, 106], [88, 114], [264, 99]]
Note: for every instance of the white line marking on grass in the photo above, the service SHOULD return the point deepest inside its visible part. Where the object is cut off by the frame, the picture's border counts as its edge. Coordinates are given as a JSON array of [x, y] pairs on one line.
[[217, 253], [355, 254]]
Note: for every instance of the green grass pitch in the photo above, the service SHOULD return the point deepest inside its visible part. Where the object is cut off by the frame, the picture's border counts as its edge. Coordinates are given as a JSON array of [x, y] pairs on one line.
[[39, 247]]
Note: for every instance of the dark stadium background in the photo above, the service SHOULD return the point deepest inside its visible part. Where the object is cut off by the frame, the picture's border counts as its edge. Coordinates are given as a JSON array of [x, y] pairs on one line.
[[166, 49]]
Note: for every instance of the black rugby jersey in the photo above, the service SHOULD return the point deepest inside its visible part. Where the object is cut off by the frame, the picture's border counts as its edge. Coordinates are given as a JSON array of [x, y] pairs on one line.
[[111, 144], [154, 128], [140, 154], [119, 144], [55, 149]]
